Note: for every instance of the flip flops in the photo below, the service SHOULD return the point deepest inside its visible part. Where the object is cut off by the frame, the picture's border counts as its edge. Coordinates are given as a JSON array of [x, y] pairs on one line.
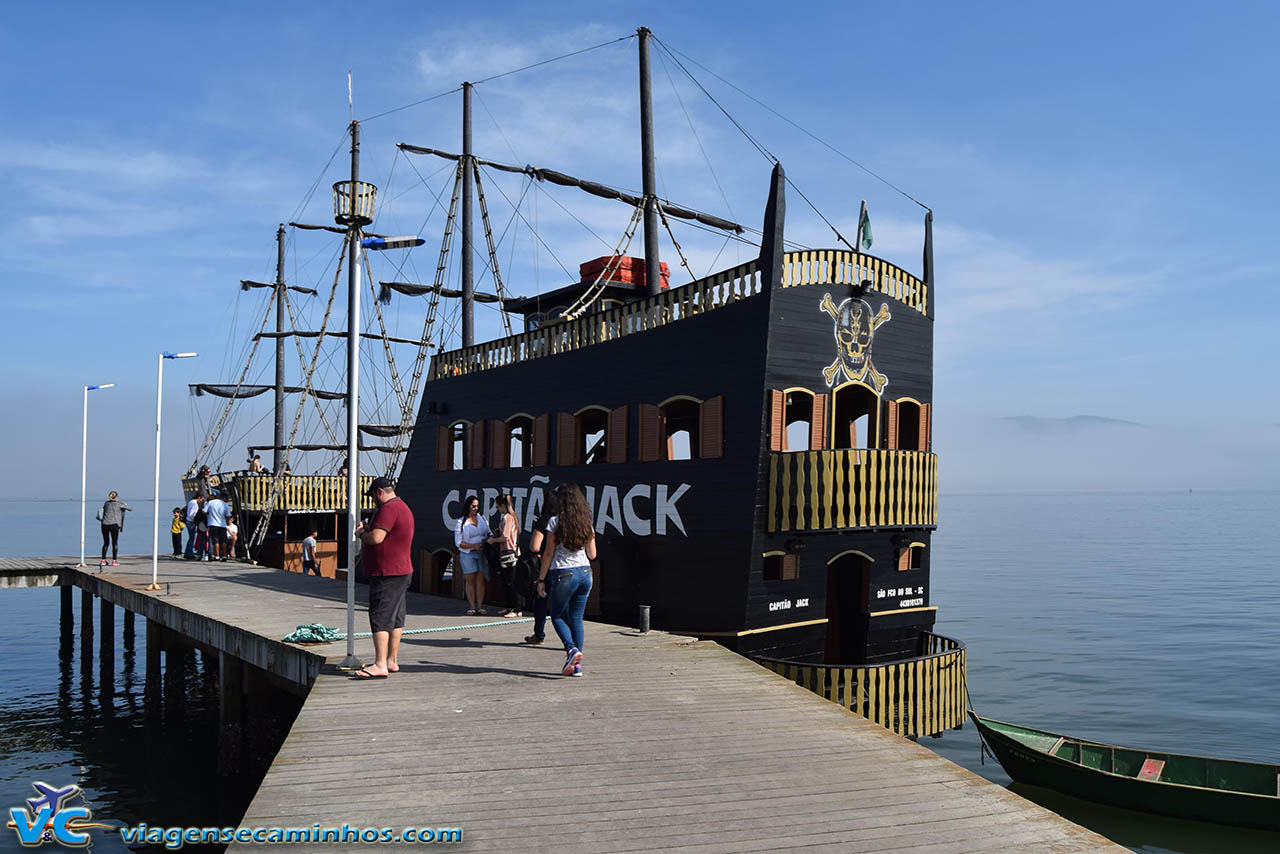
[[362, 674]]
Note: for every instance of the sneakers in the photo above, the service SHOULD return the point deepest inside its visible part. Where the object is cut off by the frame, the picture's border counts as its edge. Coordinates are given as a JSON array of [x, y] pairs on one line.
[[571, 661], [577, 670], [102, 562], [533, 639], [115, 563]]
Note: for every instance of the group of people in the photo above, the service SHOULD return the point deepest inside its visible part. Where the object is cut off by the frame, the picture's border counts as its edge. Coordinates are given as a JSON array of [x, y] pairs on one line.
[[554, 573], [210, 526]]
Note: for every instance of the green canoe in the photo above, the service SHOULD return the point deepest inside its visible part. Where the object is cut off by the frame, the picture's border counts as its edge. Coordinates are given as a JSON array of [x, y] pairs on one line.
[[1245, 794]]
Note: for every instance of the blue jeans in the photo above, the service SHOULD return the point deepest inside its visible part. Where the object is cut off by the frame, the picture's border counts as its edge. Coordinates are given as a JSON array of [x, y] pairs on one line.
[[190, 550], [568, 594]]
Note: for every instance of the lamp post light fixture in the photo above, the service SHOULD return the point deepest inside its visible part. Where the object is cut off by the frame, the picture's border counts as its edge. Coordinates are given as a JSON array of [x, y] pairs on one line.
[[84, 461], [155, 522]]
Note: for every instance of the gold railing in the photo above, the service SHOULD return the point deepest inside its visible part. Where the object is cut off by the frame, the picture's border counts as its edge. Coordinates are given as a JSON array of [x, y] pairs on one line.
[[919, 696], [652, 312], [818, 490], [300, 493], [842, 267]]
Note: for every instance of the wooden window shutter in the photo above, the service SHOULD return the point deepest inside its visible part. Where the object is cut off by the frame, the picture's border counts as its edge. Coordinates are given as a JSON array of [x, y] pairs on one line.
[[616, 440], [904, 559], [924, 426], [711, 428], [566, 440], [444, 448], [777, 412], [650, 420], [500, 444], [790, 567], [891, 429], [818, 423], [475, 446], [541, 439]]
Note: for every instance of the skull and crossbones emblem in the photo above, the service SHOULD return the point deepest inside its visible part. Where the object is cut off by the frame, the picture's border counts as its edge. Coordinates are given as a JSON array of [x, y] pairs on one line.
[[855, 327]]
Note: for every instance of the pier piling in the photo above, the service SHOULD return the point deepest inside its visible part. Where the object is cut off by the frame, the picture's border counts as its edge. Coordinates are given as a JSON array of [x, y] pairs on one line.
[[107, 650], [86, 613], [68, 609]]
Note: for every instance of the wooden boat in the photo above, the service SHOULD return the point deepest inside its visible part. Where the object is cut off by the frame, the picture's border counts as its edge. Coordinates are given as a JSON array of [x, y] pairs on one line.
[[1224, 791]]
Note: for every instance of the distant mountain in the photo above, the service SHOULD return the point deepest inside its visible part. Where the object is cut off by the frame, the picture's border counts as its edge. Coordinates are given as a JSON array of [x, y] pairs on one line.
[[1074, 424]]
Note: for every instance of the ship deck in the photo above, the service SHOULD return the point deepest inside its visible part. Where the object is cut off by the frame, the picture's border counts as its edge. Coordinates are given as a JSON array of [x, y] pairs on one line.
[[667, 744]]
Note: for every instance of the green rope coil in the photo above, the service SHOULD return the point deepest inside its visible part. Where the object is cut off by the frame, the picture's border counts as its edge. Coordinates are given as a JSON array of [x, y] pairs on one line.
[[317, 633]]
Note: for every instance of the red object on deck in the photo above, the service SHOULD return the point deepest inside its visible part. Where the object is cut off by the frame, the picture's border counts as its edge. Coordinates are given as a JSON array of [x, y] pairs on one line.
[[1151, 769], [628, 271]]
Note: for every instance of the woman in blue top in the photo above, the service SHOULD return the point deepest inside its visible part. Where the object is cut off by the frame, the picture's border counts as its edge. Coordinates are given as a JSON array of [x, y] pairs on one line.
[[566, 572]]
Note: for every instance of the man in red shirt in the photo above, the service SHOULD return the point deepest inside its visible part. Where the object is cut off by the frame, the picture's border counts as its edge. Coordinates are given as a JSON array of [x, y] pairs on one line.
[[389, 568]]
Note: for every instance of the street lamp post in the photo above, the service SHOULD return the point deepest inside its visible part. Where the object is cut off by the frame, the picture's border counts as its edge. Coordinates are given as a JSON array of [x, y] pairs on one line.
[[84, 460], [155, 522]]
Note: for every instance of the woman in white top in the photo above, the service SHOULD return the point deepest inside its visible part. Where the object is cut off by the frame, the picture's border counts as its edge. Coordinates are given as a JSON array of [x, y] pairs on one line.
[[469, 535], [566, 572]]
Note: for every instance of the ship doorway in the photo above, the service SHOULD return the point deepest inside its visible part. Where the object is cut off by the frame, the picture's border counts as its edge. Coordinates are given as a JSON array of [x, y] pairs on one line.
[[855, 417], [848, 614]]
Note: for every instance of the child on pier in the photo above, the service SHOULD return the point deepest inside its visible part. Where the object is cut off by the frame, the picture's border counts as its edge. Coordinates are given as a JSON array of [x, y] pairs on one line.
[[176, 527]]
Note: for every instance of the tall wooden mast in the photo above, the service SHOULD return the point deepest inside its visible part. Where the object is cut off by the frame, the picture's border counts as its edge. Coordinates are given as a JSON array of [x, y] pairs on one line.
[[468, 251], [278, 454], [652, 267]]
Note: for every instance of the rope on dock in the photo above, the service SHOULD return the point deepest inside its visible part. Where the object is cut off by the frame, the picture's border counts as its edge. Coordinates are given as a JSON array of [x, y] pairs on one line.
[[317, 633]]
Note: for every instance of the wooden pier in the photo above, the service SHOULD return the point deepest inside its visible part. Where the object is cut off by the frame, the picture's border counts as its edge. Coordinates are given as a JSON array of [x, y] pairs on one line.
[[666, 744]]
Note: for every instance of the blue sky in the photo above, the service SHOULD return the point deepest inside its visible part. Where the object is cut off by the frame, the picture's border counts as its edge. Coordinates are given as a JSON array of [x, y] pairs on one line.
[[1101, 176]]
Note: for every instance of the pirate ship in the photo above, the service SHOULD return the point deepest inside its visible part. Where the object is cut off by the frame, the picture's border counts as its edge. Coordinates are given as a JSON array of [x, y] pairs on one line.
[[765, 478]]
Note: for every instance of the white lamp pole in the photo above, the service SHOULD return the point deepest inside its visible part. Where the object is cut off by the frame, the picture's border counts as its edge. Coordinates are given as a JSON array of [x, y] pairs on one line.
[[84, 460], [155, 523]]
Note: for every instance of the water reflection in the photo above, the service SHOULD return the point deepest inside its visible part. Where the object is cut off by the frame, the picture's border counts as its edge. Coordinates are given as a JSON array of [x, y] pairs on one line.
[[143, 751]]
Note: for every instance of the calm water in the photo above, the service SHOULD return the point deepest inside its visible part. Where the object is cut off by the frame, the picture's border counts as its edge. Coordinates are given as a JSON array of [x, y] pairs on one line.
[[1143, 619], [1137, 618]]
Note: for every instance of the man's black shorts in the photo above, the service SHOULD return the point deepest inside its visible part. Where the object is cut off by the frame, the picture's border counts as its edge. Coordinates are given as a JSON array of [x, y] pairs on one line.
[[217, 536], [386, 601]]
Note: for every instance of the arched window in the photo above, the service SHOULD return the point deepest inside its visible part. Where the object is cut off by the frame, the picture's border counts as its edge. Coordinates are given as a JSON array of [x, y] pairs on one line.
[[593, 435], [520, 441], [456, 446], [856, 417], [907, 424], [911, 556], [682, 428], [797, 420]]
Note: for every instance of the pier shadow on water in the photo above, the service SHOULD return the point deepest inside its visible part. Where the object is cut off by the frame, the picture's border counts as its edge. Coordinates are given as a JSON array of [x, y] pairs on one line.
[[76, 710]]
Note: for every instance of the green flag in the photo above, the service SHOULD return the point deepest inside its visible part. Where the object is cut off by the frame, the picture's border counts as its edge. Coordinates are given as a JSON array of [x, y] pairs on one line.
[[864, 229]]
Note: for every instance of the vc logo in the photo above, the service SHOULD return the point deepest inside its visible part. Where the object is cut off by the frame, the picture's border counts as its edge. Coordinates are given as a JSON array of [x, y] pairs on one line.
[[47, 818]]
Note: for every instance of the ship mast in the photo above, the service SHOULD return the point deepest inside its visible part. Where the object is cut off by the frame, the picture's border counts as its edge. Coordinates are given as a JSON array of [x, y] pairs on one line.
[[652, 268], [353, 387], [468, 251], [278, 455]]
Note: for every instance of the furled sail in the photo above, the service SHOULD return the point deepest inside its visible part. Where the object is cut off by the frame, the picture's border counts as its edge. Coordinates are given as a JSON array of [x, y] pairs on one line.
[[412, 290], [245, 391]]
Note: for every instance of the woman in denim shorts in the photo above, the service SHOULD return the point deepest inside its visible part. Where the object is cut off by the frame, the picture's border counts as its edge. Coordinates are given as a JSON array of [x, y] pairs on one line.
[[469, 535]]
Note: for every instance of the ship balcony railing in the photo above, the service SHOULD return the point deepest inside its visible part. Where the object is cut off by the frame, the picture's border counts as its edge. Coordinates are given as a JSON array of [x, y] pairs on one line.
[[913, 697], [296, 493], [856, 488], [811, 267]]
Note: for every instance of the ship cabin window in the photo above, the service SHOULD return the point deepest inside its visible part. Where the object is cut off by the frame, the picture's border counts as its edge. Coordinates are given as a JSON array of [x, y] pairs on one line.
[[679, 421], [452, 443], [533, 321], [682, 428], [907, 425], [780, 566], [593, 428], [911, 557], [798, 420], [520, 441], [856, 412]]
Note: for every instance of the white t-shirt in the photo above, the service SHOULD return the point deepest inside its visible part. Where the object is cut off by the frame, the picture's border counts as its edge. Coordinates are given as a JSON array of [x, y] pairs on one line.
[[193, 507], [309, 548], [563, 558], [465, 532], [232, 528]]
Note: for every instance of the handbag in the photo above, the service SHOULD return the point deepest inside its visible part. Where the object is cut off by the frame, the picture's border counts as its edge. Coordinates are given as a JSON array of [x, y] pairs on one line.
[[508, 559]]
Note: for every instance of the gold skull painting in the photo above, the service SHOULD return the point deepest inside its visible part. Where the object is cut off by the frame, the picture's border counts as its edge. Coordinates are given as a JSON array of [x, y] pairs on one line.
[[855, 328]]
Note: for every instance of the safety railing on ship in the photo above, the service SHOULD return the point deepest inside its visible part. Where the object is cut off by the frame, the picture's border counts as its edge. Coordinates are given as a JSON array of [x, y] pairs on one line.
[[652, 312], [299, 494], [819, 490], [842, 267], [915, 697]]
